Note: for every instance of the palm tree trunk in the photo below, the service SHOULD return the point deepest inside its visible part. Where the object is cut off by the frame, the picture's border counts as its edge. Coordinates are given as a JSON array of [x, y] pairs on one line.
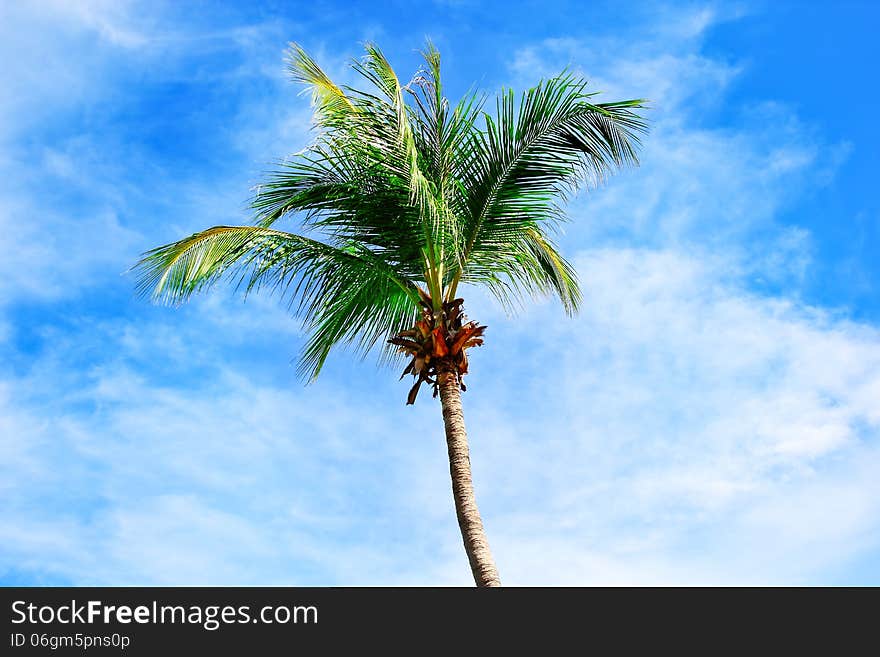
[[475, 542]]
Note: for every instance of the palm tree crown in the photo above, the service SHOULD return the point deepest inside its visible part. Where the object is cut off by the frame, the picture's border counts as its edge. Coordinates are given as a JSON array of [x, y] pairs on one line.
[[400, 198], [403, 196]]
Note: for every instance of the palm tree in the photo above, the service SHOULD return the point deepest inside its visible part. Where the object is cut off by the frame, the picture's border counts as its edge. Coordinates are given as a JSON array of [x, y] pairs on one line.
[[400, 199]]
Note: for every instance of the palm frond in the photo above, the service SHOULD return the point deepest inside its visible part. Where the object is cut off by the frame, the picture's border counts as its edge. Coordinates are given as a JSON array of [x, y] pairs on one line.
[[423, 190], [525, 265], [341, 294], [533, 155]]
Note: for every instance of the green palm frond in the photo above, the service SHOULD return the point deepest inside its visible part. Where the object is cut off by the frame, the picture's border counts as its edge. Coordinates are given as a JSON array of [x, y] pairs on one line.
[[526, 265], [532, 156], [342, 294], [424, 192]]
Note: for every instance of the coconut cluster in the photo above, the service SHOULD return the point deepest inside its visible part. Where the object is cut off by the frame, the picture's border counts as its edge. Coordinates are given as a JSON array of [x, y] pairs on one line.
[[438, 344]]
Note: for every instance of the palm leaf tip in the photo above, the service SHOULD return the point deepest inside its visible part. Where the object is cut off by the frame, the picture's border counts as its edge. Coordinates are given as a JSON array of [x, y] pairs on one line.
[[156, 278], [302, 67], [329, 101]]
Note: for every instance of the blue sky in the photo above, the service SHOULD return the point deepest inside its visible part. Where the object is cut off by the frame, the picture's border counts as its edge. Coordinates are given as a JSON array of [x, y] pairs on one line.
[[711, 416]]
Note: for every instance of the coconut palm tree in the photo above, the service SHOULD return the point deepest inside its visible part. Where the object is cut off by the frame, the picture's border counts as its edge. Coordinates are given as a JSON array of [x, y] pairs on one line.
[[401, 198]]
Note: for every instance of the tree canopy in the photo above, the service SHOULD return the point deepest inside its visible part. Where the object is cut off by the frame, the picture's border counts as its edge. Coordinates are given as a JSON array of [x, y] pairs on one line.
[[403, 195]]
